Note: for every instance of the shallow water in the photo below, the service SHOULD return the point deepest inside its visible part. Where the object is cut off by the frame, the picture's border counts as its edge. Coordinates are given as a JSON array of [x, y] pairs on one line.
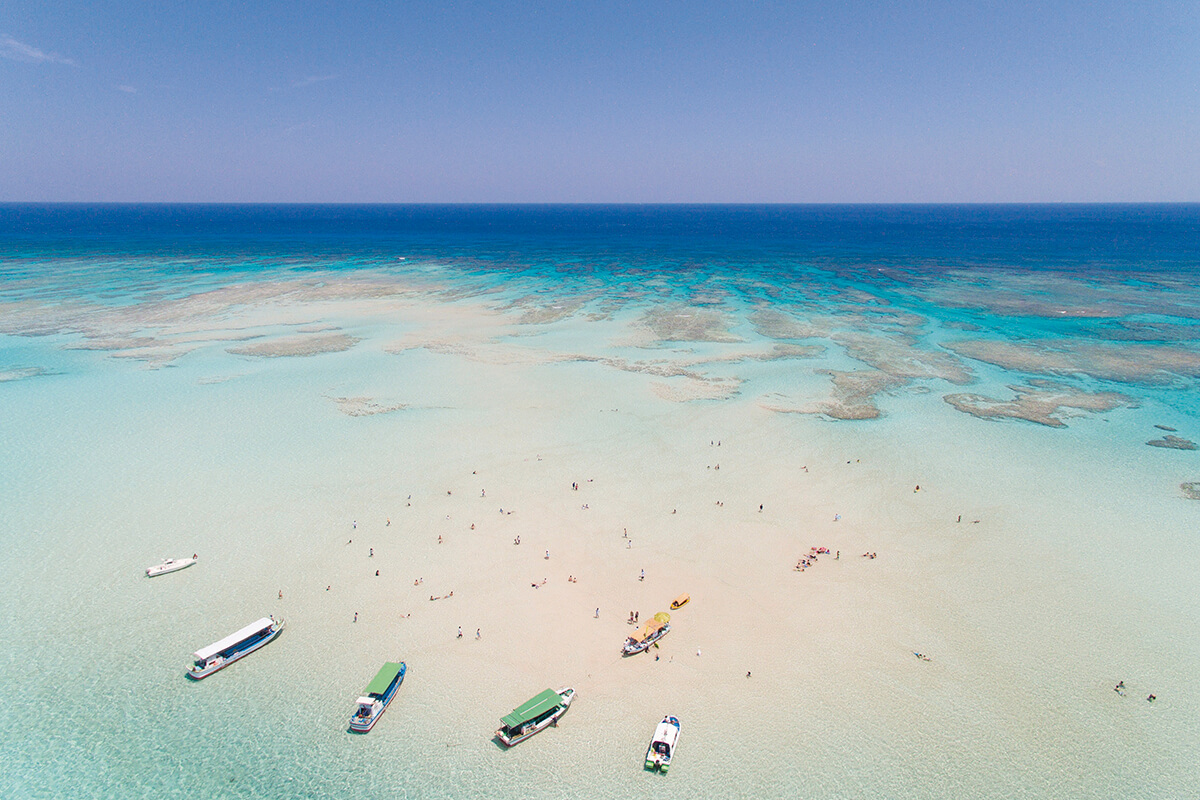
[[518, 350]]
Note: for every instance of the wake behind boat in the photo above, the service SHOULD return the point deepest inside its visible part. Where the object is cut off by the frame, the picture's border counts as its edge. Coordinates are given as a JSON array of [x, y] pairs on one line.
[[662, 746], [650, 633], [534, 715], [171, 565], [379, 693], [221, 654]]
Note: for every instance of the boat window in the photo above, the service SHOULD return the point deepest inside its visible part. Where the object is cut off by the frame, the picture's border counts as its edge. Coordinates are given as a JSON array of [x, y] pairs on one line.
[[663, 748]]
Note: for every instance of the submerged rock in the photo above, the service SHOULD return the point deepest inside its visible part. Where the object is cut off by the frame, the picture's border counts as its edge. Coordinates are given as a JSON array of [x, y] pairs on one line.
[[20, 373], [297, 346], [365, 406], [1173, 443], [1191, 490], [1041, 401]]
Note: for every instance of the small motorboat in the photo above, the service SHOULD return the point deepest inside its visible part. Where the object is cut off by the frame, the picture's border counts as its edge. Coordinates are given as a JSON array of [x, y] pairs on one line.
[[650, 633], [171, 565], [681, 601], [662, 746]]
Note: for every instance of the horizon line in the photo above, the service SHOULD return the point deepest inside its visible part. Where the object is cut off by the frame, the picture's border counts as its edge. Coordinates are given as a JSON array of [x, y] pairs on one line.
[[627, 204]]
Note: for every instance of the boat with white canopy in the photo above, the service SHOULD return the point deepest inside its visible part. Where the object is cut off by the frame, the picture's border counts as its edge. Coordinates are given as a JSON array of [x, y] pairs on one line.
[[221, 654]]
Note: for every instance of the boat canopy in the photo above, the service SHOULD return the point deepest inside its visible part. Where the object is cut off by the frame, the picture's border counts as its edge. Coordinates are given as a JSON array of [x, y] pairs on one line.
[[380, 683], [653, 626], [366, 702], [205, 653], [532, 708]]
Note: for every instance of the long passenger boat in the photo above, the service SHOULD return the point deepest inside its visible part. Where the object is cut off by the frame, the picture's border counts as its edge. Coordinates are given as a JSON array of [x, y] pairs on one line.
[[219, 655], [534, 715], [379, 693]]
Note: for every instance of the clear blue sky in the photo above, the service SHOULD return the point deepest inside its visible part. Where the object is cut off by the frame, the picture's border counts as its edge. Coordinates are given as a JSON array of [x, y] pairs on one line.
[[604, 101]]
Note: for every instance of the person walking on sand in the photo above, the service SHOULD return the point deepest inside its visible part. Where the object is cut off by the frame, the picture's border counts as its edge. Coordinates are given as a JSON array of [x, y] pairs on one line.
[[460, 631], [642, 577], [477, 634], [356, 616], [597, 612], [547, 555]]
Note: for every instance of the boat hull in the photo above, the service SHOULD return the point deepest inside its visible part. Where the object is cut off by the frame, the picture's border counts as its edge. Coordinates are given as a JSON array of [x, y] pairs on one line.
[[509, 740], [632, 648], [364, 724], [662, 746], [201, 674], [169, 566]]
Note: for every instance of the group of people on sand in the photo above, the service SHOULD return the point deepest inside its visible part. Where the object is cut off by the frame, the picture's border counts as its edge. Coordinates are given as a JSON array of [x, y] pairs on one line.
[[868, 555], [441, 596], [806, 561], [633, 618]]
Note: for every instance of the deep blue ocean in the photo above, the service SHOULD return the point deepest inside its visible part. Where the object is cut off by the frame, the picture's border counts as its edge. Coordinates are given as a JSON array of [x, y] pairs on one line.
[[613, 240]]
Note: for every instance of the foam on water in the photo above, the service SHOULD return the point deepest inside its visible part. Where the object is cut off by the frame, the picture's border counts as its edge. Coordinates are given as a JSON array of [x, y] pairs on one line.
[[521, 350]]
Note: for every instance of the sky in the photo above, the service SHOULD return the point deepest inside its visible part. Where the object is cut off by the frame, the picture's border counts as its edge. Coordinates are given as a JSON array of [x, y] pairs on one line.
[[599, 101]]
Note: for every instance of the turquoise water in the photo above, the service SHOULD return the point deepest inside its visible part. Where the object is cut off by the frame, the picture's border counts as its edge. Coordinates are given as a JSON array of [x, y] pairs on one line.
[[535, 343]]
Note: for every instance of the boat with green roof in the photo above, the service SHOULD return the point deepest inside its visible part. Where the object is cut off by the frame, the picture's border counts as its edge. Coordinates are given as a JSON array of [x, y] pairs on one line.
[[534, 715], [379, 693]]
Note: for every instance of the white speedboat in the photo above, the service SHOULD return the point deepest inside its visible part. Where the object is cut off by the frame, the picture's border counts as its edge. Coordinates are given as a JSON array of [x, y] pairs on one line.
[[171, 565], [662, 746]]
